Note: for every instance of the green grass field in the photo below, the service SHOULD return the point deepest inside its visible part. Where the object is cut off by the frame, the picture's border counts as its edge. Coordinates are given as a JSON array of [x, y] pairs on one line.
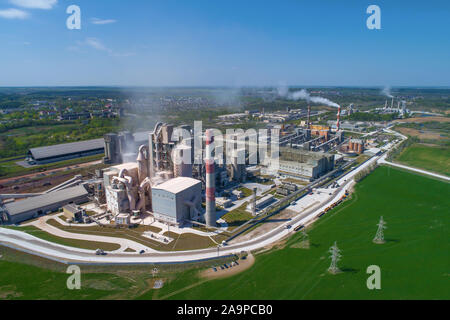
[[237, 217], [12, 169], [23, 276], [414, 262], [436, 159]]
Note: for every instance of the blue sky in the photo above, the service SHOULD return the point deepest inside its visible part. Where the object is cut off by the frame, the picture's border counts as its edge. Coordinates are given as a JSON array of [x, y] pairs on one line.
[[229, 43]]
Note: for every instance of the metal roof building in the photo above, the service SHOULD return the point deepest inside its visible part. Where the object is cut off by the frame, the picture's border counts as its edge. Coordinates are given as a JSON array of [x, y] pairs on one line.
[[19, 211], [177, 200], [66, 151], [177, 185]]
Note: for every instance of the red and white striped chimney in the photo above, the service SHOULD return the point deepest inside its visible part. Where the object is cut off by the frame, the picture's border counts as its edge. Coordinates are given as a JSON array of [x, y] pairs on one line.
[[210, 215]]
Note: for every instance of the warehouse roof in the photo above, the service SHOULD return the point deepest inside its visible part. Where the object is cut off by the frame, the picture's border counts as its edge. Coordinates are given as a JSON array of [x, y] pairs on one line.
[[67, 148], [177, 185], [35, 203]]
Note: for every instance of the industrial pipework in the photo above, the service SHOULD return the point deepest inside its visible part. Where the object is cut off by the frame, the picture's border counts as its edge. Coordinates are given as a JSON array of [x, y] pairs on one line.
[[127, 181], [143, 162]]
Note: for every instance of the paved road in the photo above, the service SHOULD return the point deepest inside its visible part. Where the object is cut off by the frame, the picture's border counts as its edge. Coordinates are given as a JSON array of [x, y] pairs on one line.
[[123, 243], [28, 243]]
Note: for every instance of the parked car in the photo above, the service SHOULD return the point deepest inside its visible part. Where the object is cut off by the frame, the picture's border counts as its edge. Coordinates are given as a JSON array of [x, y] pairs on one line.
[[100, 252]]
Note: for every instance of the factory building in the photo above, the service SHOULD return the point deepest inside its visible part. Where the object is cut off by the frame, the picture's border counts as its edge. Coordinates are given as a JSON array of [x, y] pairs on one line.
[[158, 181], [19, 211], [182, 156], [303, 164], [177, 201], [121, 147], [123, 219], [65, 151], [73, 212], [127, 188], [262, 203], [115, 146], [356, 145]]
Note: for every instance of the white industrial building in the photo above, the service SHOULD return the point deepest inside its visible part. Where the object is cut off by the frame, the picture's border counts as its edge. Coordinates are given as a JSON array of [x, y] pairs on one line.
[[305, 165], [178, 200]]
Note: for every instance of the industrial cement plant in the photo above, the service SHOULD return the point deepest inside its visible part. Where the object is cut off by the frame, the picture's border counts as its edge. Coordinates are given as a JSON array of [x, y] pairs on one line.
[[157, 185], [162, 178]]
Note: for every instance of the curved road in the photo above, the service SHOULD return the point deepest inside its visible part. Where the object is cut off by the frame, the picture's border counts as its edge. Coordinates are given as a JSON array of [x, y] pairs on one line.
[[25, 242]]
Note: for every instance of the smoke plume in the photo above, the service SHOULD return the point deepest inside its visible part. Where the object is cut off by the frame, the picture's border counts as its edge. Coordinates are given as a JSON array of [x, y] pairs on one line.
[[387, 92], [304, 95]]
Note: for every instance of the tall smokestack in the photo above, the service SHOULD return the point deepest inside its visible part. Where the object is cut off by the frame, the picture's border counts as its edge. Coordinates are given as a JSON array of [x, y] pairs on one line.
[[392, 103], [338, 124], [385, 105], [210, 215], [308, 125]]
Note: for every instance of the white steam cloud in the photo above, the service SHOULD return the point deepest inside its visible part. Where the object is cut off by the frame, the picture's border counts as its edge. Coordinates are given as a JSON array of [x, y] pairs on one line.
[[387, 92], [304, 95]]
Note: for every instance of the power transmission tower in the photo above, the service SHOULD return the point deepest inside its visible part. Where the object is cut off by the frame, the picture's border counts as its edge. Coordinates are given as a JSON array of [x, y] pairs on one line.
[[304, 240], [305, 235], [379, 237], [335, 258]]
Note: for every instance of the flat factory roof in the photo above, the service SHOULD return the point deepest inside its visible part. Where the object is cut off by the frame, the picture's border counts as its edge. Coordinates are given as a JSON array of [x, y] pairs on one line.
[[177, 185], [45, 200], [66, 148]]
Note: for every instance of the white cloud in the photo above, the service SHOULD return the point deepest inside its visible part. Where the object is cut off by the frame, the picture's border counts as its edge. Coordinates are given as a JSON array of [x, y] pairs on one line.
[[13, 14], [125, 54], [102, 21], [35, 4], [96, 44]]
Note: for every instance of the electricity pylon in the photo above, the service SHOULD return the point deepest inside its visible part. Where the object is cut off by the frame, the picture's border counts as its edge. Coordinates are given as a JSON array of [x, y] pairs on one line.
[[335, 257], [379, 237], [304, 240]]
